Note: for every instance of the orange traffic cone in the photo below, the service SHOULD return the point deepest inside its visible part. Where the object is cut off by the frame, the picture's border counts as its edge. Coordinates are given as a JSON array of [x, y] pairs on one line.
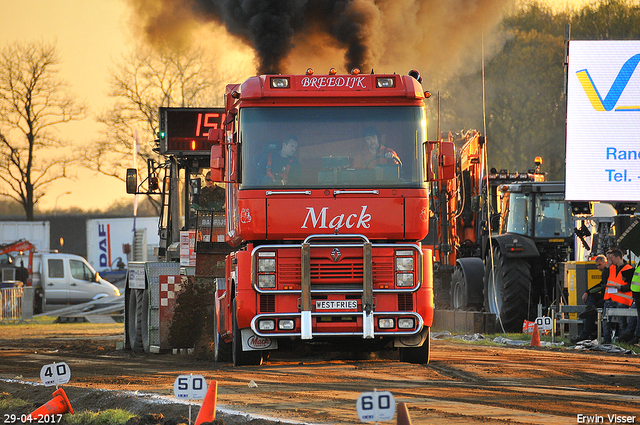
[[207, 412], [59, 404], [535, 338], [403, 414]]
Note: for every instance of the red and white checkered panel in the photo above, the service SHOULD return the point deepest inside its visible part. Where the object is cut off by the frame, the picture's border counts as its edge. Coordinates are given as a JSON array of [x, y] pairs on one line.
[[169, 287]]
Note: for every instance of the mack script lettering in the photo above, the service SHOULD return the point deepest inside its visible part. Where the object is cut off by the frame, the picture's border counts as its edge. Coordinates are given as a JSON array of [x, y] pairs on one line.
[[341, 220]]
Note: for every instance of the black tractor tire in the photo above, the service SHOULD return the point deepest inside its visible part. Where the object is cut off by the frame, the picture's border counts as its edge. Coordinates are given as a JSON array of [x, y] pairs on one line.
[[467, 285], [240, 357], [417, 355], [134, 324], [507, 290]]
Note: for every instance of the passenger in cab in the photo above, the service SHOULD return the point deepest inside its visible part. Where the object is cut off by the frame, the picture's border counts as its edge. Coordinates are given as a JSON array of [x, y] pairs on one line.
[[279, 164], [374, 153]]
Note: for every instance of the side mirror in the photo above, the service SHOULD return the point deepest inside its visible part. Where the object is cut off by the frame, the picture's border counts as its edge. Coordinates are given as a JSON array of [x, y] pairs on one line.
[[447, 161], [132, 180], [217, 163], [97, 278], [216, 135], [440, 160]]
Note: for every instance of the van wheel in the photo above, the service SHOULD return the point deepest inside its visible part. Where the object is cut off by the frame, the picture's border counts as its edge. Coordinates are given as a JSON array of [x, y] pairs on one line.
[[134, 325], [242, 358]]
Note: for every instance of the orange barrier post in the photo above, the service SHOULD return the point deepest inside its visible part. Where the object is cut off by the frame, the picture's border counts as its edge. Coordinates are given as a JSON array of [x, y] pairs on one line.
[[403, 414], [59, 404], [535, 338], [207, 412]]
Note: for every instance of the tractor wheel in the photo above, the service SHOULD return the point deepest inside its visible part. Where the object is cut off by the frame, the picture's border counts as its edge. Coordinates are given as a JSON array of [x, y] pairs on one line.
[[508, 290], [240, 357], [466, 284], [417, 355]]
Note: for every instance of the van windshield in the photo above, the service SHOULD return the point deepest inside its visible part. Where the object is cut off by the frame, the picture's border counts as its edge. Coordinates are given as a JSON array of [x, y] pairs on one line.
[[324, 147]]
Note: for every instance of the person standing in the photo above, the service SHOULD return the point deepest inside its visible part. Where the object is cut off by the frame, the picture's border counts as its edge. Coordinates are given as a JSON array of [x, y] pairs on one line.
[[617, 292], [594, 299]]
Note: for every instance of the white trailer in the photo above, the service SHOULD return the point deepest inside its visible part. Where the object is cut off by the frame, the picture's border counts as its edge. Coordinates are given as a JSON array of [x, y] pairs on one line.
[[106, 238], [36, 232]]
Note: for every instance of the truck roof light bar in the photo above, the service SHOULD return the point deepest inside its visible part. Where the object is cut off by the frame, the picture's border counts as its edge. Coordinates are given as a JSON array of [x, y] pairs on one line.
[[280, 83], [385, 82]]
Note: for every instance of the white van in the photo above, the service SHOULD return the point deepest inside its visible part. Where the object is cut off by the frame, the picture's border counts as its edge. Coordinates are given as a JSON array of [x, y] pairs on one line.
[[61, 280]]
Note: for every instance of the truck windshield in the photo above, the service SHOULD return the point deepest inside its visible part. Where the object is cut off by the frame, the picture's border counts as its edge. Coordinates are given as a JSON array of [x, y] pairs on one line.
[[324, 147], [553, 217]]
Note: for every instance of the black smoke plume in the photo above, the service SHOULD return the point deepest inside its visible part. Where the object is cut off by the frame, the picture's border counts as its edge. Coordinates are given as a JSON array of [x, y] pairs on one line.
[[371, 33]]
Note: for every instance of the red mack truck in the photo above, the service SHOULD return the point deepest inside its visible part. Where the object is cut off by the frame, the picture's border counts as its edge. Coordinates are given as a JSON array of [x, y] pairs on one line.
[[327, 202]]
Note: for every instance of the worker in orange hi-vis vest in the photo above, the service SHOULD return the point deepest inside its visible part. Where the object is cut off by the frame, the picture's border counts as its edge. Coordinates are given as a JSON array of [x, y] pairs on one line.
[[618, 292]]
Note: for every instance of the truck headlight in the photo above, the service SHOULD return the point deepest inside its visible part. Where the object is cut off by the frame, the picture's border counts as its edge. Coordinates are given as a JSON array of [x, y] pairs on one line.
[[267, 325], [386, 323], [266, 265], [286, 324], [404, 263], [267, 281], [404, 279], [406, 323]]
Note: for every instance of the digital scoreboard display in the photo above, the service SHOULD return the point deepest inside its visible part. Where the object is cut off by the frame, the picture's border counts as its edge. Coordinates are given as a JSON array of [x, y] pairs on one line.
[[603, 121], [185, 131]]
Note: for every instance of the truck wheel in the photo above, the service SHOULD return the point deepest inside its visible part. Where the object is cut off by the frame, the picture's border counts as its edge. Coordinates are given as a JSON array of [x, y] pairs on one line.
[[134, 325], [222, 350], [144, 319], [242, 358], [508, 290], [466, 284], [417, 355]]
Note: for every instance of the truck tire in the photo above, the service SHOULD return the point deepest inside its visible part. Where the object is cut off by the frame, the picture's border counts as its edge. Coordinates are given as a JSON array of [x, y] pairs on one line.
[[508, 290], [467, 284], [134, 325], [144, 319], [242, 358], [222, 350], [417, 355]]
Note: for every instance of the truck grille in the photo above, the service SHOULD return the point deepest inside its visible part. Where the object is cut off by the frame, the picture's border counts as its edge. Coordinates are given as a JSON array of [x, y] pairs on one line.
[[405, 302], [344, 274], [267, 303]]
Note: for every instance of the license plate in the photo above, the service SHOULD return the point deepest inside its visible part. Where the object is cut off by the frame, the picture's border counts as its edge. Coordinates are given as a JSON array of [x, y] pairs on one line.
[[337, 305]]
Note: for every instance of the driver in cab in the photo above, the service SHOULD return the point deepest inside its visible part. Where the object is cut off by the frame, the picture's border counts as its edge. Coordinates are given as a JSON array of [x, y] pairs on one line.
[[375, 153]]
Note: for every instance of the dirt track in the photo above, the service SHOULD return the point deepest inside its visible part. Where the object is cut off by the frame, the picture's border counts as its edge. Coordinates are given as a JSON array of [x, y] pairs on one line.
[[463, 384]]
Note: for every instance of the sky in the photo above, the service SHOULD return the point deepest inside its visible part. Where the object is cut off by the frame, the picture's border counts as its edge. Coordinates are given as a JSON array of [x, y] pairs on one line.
[[90, 35]]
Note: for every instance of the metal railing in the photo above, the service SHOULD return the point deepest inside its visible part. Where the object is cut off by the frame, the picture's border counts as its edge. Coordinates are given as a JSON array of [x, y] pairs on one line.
[[16, 304]]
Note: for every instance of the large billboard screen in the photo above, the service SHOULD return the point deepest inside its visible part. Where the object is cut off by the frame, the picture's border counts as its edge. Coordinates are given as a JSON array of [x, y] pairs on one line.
[[603, 121]]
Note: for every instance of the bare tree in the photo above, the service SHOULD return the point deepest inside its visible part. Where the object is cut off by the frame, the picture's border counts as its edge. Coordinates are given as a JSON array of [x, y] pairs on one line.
[[33, 101], [143, 81]]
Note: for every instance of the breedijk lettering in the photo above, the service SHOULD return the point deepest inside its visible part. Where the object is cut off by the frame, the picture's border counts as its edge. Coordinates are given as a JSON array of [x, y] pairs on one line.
[[319, 221], [331, 81]]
